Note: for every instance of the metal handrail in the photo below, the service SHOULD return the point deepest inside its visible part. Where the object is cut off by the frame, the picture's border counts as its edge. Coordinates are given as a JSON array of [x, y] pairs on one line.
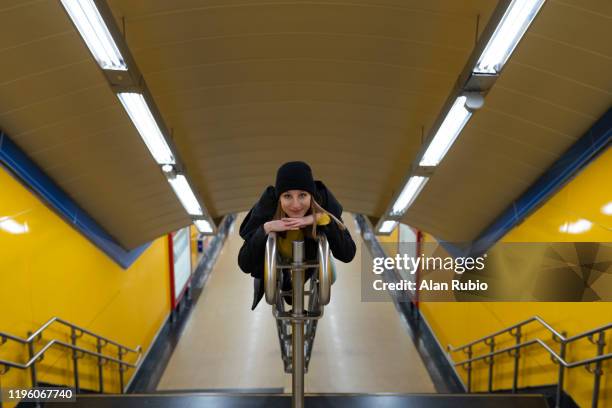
[[38, 356], [296, 347], [509, 329], [75, 333], [71, 325], [324, 270], [558, 358], [554, 355], [270, 272]]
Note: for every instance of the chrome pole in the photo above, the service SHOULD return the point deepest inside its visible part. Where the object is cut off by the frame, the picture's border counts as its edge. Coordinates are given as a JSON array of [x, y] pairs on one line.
[[491, 343], [297, 279], [559, 393], [100, 366], [121, 369], [517, 356], [33, 373], [33, 370], [75, 360], [598, 372], [469, 369]]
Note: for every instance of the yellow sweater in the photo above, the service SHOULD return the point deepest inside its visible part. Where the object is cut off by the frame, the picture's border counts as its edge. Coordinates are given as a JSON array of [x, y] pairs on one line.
[[284, 244]]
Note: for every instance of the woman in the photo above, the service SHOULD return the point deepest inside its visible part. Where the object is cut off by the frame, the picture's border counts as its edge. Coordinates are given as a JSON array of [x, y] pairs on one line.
[[295, 208]]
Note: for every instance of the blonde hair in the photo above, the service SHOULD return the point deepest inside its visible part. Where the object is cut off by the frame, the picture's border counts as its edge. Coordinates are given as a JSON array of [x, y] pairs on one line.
[[315, 208]]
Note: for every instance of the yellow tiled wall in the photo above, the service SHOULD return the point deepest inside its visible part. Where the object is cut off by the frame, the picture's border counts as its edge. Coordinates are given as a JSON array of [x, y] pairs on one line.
[[581, 206], [49, 269]]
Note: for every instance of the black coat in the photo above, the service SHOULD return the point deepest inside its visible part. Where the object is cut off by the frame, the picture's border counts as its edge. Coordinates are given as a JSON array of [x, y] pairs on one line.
[[252, 254]]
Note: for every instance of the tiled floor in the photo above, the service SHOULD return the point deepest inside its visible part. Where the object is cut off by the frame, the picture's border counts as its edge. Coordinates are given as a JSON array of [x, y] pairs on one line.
[[360, 346]]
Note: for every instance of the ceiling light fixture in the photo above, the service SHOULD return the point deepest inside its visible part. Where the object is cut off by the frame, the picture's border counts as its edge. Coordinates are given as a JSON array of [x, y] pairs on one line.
[[203, 226], [507, 35], [453, 123], [138, 110], [410, 191], [185, 194], [387, 227], [92, 28]]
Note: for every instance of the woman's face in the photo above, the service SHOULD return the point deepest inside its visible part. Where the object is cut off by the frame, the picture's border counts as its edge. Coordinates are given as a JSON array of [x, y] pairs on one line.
[[295, 203]]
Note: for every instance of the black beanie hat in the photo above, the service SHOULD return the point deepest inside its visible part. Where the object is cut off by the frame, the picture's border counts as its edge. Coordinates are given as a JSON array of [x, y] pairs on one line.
[[294, 176]]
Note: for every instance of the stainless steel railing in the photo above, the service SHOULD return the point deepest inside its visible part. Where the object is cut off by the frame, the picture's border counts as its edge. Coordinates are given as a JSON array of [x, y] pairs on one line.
[[593, 365], [297, 328], [78, 352]]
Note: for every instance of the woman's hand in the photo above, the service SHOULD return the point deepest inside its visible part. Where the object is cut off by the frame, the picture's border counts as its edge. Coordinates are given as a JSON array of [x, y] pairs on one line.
[[278, 226], [300, 222], [286, 224]]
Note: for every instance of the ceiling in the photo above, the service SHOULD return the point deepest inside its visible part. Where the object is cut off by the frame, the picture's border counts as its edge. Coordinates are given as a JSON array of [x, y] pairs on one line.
[[556, 85], [348, 86]]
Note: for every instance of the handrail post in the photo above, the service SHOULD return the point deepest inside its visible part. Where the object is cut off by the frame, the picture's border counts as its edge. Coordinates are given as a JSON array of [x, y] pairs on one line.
[[75, 359], [324, 271], [100, 366], [559, 393], [517, 356], [469, 369], [491, 343], [33, 368], [598, 371], [593, 365], [270, 280], [121, 368], [297, 280]]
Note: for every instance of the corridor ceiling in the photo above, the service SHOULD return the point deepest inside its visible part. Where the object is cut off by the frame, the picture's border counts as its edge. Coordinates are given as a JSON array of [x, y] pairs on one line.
[[348, 86]]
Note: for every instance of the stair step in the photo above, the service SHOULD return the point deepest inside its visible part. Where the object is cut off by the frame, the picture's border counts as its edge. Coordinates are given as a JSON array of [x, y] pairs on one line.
[[226, 400]]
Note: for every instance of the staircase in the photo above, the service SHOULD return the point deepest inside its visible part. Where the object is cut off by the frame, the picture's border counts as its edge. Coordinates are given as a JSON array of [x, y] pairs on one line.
[[224, 400]]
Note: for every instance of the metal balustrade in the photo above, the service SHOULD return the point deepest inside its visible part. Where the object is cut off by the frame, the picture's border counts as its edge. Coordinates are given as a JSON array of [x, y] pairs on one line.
[[297, 327], [593, 365], [78, 352]]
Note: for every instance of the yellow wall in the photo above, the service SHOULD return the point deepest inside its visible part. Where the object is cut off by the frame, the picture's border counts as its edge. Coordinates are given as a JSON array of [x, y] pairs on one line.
[[458, 323], [581, 199], [52, 270], [193, 247]]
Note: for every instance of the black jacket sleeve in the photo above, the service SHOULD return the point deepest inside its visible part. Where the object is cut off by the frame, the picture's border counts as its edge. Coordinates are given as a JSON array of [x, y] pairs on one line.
[[340, 241], [251, 257]]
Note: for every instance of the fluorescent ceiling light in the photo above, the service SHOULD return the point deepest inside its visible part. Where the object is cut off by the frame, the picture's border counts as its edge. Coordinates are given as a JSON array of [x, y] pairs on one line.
[[203, 226], [13, 227], [448, 131], [607, 208], [507, 35], [577, 227], [185, 195], [387, 227], [411, 190], [92, 28], [137, 108]]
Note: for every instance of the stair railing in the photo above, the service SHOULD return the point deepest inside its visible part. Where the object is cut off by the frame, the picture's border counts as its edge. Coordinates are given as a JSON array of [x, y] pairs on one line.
[[77, 352], [596, 336], [297, 328]]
